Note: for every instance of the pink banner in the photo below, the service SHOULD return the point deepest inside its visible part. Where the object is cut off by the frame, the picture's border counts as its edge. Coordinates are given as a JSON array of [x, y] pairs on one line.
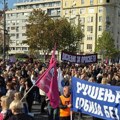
[[48, 82]]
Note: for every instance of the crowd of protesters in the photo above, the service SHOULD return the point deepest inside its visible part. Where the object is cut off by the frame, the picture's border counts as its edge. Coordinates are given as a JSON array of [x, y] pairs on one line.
[[17, 78]]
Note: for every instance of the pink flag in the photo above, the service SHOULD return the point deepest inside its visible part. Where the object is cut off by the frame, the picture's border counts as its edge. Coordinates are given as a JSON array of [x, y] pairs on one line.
[[52, 59], [48, 83]]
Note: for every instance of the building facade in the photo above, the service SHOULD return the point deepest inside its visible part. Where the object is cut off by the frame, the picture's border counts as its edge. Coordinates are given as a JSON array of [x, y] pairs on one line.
[[95, 16], [16, 20]]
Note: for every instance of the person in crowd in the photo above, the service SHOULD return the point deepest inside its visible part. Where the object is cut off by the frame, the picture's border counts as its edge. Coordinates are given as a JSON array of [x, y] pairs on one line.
[[34, 78], [5, 102], [30, 95], [18, 97], [65, 104], [104, 81], [92, 79], [2, 88], [10, 91], [43, 100], [21, 87], [17, 111], [53, 113]]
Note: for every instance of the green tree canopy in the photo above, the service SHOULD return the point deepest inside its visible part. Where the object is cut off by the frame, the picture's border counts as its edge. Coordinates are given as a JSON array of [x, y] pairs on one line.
[[42, 32], [105, 45]]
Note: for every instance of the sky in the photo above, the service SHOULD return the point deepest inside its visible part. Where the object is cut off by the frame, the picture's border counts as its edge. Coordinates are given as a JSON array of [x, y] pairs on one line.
[[10, 3]]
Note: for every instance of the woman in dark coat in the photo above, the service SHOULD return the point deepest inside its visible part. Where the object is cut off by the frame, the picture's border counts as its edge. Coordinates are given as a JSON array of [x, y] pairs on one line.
[[30, 95], [17, 111]]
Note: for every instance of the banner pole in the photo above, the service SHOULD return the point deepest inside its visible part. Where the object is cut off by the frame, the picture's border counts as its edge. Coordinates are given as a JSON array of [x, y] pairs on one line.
[[71, 115], [27, 93], [33, 85]]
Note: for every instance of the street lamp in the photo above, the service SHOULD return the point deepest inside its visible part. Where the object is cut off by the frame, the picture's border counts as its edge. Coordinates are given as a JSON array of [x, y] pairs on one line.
[[4, 29]]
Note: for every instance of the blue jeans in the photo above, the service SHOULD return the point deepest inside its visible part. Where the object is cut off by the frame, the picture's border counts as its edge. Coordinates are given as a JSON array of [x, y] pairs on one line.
[[53, 113]]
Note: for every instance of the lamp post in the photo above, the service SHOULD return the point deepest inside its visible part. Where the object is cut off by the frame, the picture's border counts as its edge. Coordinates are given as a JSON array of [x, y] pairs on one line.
[[4, 31]]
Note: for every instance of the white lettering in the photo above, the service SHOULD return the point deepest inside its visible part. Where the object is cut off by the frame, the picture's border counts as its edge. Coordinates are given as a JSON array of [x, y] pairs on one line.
[[109, 96], [111, 112], [67, 57], [94, 92], [79, 87], [88, 106], [101, 94], [117, 97]]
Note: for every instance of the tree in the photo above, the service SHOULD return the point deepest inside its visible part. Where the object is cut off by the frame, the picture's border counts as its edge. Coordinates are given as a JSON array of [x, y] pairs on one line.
[[105, 45], [42, 32], [67, 35], [36, 30]]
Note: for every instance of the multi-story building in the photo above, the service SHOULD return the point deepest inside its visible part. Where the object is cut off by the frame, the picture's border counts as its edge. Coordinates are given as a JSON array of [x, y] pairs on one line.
[[16, 20], [95, 17]]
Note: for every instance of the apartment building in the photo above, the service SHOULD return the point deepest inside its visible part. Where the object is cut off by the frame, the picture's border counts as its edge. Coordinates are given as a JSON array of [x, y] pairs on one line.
[[16, 20], [95, 17]]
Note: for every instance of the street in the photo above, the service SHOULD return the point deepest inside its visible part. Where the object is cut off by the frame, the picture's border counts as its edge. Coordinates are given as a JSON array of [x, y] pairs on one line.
[[39, 116]]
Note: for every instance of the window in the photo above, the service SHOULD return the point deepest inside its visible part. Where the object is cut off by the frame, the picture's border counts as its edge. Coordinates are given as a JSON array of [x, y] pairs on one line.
[[12, 48], [17, 22], [18, 48], [8, 22], [82, 1], [23, 34], [100, 18], [13, 22], [90, 10], [119, 13], [12, 35], [73, 12], [89, 37], [17, 14], [89, 46], [100, 9], [24, 20], [100, 1], [17, 29], [91, 2], [24, 48], [107, 1], [26, 14], [83, 28], [100, 28], [23, 27], [82, 11], [8, 29], [90, 29], [17, 35], [8, 15], [66, 3], [66, 12], [89, 19], [82, 20], [12, 28]]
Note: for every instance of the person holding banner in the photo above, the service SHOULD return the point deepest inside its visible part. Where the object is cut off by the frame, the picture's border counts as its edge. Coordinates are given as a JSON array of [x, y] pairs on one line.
[[65, 104]]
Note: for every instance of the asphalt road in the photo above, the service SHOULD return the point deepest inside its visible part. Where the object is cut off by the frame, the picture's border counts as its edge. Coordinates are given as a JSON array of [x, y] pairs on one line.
[[39, 116]]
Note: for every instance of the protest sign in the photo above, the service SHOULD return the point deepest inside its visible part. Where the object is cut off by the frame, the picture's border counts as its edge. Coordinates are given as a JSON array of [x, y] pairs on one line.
[[102, 101], [79, 59]]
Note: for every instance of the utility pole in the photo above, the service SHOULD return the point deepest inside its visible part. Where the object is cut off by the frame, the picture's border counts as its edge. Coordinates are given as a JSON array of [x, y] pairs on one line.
[[4, 30]]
